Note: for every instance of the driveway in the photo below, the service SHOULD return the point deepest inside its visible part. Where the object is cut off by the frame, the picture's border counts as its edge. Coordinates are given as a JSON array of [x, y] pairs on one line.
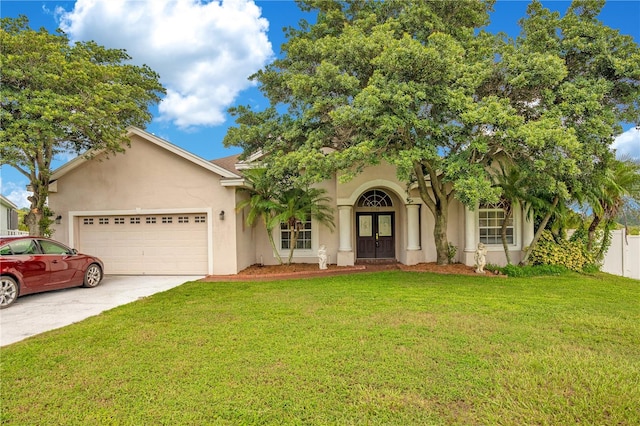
[[36, 313]]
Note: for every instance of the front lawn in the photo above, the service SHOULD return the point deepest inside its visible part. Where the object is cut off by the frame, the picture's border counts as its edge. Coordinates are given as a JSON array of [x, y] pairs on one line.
[[371, 348]]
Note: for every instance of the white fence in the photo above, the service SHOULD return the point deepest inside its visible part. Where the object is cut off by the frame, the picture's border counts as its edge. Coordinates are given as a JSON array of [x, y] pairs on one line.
[[623, 257], [12, 232]]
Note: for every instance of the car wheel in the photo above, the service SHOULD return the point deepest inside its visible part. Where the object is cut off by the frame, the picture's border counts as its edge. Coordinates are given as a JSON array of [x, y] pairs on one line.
[[92, 276], [8, 291]]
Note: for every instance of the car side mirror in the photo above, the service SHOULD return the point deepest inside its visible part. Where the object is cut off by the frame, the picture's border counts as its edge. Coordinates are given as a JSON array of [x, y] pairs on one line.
[[74, 251]]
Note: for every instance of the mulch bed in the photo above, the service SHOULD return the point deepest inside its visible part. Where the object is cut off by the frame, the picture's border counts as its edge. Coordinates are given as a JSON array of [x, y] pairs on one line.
[[299, 270]]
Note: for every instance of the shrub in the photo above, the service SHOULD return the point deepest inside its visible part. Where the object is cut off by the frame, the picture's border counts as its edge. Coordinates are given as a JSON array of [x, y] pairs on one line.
[[571, 254], [533, 270], [493, 268], [451, 252]]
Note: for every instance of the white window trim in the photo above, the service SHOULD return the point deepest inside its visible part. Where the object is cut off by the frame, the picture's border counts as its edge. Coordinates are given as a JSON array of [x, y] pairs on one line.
[[299, 253], [517, 229]]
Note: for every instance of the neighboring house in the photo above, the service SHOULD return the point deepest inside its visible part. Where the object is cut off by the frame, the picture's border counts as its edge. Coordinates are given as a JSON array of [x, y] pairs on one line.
[[8, 217], [158, 209]]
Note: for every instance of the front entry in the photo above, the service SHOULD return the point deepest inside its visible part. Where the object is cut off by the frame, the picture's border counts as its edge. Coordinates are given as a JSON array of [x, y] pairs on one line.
[[375, 235]]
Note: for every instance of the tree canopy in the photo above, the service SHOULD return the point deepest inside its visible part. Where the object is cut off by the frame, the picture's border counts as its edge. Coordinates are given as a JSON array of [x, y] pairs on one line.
[[61, 97], [372, 81], [571, 80], [420, 85]]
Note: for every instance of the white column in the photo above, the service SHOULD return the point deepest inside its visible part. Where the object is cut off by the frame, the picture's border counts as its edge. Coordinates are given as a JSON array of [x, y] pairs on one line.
[[413, 227], [345, 216], [469, 230]]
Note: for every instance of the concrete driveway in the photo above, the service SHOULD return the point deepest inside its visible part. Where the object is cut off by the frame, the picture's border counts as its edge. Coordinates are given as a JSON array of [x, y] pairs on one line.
[[36, 313]]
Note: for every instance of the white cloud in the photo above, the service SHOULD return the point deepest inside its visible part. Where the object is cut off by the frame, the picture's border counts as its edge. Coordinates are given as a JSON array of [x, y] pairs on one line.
[[628, 143], [204, 51], [16, 193]]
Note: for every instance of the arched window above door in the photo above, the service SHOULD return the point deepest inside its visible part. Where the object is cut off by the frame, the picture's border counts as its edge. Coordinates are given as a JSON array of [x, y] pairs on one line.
[[375, 198]]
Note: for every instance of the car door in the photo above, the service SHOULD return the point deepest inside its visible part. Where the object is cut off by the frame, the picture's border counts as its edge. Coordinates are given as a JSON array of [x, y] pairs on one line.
[[23, 256], [64, 270]]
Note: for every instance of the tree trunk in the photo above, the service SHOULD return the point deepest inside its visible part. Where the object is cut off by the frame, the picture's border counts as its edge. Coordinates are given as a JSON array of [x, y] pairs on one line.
[[276, 252], [37, 220], [591, 235], [34, 219], [294, 240], [440, 238], [539, 231], [269, 229], [503, 234], [439, 207]]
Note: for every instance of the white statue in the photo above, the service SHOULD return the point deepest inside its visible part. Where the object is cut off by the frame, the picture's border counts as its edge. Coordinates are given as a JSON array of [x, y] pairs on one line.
[[481, 258], [322, 257]]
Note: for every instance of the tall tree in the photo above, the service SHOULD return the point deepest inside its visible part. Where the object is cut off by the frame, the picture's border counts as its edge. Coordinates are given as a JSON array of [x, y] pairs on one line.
[[381, 80], [60, 97], [571, 80]]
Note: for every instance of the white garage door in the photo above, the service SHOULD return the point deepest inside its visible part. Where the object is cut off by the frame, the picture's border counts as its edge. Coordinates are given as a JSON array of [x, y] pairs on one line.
[[147, 244]]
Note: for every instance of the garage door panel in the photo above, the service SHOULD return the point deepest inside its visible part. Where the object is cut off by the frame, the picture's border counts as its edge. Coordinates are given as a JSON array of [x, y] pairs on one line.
[[147, 244]]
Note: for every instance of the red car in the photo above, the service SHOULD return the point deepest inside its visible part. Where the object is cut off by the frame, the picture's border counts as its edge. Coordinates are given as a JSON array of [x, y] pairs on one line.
[[33, 265]]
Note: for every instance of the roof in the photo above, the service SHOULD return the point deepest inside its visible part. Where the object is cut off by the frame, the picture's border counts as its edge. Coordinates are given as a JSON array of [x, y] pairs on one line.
[[211, 166], [8, 202], [228, 163]]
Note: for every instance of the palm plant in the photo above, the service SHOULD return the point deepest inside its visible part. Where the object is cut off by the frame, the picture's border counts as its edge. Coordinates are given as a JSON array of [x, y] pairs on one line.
[[262, 203], [516, 190], [297, 205], [620, 184], [513, 192]]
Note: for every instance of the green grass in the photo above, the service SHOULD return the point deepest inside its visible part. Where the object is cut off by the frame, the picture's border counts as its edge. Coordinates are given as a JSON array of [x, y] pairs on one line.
[[385, 348]]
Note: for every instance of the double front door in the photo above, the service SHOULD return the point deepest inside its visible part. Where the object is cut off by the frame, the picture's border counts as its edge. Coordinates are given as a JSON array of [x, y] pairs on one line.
[[375, 235]]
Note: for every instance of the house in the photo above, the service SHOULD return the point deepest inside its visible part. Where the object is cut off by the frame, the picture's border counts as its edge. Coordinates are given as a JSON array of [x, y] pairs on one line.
[[8, 217], [158, 209]]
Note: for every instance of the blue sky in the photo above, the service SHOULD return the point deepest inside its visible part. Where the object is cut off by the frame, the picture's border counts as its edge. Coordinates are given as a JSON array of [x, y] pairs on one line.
[[205, 50]]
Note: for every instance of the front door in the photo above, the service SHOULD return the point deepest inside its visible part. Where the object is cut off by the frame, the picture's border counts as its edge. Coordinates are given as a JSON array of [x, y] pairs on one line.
[[375, 236]]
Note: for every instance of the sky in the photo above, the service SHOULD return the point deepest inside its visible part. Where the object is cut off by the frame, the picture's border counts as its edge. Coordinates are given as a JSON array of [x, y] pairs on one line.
[[205, 51]]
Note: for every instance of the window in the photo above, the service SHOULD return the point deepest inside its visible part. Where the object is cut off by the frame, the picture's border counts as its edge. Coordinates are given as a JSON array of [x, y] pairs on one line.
[[183, 219], [490, 219], [151, 220], [200, 219], [49, 247], [375, 198], [103, 221], [24, 247], [134, 220], [118, 220], [5, 251], [167, 219], [87, 221], [304, 235]]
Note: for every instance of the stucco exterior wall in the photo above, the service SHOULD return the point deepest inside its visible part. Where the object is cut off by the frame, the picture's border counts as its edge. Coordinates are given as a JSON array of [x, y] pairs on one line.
[[246, 237], [147, 178]]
